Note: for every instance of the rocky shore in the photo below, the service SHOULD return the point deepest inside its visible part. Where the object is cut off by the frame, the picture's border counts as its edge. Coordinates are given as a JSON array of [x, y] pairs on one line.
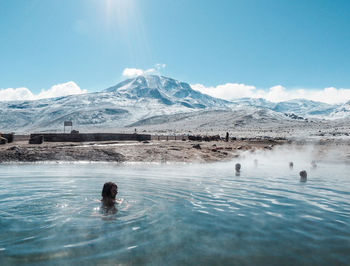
[[167, 151], [125, 151]]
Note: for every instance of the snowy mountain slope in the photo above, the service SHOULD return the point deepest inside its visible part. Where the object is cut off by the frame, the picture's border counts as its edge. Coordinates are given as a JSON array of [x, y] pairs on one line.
[[219, 121], [256, 102], [342, 111], [149, 99], [306, 108], [300, 107], [126, 103]]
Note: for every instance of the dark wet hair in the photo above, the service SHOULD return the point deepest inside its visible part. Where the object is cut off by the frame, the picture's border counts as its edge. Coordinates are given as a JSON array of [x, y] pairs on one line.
[[238, 167], [107, 187]]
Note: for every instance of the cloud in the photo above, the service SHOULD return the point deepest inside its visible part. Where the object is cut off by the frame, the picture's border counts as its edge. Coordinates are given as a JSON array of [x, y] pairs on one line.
[[21, 94], [134, 72], [230, 91], [227, 91]]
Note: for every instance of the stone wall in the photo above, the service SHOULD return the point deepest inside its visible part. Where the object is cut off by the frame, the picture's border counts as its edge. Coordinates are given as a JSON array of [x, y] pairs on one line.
[[81, 137]]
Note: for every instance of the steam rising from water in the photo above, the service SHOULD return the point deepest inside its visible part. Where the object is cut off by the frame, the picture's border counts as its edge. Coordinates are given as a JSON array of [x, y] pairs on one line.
[[301, 155]]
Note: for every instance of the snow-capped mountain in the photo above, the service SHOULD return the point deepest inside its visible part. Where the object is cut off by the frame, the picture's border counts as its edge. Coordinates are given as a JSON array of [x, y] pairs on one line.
[[148, 98], [167, 91], [118, 106]]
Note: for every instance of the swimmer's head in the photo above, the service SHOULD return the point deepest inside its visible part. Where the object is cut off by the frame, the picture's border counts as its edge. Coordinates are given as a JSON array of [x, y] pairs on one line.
[[303, 176], [238, 167], [291, 164], [109, 191]]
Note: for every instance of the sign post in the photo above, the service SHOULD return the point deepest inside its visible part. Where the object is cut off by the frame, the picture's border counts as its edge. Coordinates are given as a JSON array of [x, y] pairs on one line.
[[67, 124]]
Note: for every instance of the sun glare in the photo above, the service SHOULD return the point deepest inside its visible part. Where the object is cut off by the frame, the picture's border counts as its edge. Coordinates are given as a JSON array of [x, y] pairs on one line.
[[119, 12]]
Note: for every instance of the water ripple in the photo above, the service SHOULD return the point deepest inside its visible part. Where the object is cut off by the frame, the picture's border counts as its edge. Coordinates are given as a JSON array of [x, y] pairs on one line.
[[171, 214]]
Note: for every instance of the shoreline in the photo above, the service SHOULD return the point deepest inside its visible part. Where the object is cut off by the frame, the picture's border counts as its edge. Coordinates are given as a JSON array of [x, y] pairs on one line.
[[161, 151], [132, 151]]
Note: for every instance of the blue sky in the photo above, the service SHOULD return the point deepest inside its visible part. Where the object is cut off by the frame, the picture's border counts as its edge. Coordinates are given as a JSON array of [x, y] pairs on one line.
[[263, 43]]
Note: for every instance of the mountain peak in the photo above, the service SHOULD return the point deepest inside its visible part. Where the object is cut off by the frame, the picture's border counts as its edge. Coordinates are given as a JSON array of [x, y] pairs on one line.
[[166, 90], [145, 81]]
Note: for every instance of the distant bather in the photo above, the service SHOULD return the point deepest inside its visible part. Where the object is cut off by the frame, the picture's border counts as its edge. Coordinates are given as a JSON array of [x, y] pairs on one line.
[[291, 164], [303, 176], [238, 167]]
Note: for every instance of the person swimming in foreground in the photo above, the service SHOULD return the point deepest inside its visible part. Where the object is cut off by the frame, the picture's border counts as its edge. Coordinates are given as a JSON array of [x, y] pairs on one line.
[[109, 192], [109, 200]]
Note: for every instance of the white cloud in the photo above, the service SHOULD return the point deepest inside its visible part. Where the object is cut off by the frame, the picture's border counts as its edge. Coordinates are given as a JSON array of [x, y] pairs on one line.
[[227, 91], [134, 72], [19, 94], [277, 93]]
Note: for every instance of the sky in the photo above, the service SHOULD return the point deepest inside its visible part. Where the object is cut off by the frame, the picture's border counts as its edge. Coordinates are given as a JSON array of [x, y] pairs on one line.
[[273, 49]]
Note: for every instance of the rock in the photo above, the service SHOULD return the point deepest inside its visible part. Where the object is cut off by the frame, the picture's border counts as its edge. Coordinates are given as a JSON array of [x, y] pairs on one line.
[[14, 148], [212, 138], [3, 141], [196, 146]]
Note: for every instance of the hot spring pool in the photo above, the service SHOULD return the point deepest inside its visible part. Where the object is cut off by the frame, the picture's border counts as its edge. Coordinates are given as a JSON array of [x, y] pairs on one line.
[[176, 214]]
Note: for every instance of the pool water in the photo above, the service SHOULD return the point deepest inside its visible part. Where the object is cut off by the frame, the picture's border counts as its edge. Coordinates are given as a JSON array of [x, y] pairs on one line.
[[175, 214]]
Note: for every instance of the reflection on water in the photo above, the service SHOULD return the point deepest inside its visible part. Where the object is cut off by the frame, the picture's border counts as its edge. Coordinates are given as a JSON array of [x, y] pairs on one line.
[[176, 214]]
